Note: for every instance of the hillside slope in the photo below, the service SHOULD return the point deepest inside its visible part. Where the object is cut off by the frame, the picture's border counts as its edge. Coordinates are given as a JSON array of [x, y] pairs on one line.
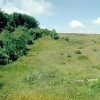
[[64, 69]]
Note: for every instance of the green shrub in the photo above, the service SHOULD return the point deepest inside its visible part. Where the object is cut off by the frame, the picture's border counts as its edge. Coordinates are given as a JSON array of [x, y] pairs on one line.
[[1, 44], [11, 21], [38, 33], [4, 58], [68, 56], [31, 79], [16, 32], [19, 41], [1, 84], [54, 35], [67, 39], [13, 45], [78, 52], [95, 85], [46, 32], [18, 19], [10, 25], [3, 20]]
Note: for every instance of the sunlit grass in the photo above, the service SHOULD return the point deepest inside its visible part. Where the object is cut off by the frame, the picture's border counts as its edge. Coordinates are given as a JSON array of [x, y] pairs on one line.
[[53, 71]]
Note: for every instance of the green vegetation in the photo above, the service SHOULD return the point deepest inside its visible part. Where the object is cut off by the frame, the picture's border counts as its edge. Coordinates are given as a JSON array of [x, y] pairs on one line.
[[52, 70], [67, 39], [11, 21], [17, 31], [54, 35], [78, 52], [83, 57], [45, 66]]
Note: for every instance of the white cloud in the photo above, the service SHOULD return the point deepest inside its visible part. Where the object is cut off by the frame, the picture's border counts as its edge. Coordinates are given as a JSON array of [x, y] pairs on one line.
[[9, 7], [97, 21], [31, 7], [75, 24]]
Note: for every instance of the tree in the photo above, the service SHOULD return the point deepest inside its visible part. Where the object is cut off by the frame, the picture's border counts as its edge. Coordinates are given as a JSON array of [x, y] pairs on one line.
[[23, 20], [3, 20]]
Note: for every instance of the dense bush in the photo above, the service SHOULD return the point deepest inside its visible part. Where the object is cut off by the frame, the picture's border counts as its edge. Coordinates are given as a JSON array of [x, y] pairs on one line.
[[3, 20], [13, 45], [1, 84], [11, 21], [4, 58], [78, 52], [67, 39], [1, 44], [23, 20], [35, 33], [38, 32], [54, 35]]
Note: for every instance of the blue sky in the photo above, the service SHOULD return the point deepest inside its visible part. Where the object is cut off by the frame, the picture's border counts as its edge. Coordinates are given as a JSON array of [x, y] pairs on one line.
[[81, 16]]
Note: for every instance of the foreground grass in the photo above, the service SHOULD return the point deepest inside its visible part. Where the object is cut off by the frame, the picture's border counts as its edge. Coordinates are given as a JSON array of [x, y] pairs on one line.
[[55, 70]]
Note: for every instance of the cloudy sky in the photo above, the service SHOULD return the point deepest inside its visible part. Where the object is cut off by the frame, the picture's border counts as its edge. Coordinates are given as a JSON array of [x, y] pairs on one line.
[[81, 16]]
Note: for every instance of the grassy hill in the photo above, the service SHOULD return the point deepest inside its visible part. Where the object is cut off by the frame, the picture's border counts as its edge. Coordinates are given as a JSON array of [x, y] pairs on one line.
[[64, 69]]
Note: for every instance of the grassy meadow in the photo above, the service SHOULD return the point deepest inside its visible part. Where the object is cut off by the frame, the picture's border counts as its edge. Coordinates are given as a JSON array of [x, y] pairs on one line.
[[63, 69]]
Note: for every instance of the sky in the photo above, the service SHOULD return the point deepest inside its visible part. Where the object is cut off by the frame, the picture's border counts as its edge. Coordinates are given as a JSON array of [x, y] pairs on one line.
[[66, 16]]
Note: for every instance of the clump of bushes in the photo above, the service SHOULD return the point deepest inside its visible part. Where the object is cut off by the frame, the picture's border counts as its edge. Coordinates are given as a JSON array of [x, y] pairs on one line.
[[3, 20], [54, 35], [95, 85], [4, 58], [13, 45], [16, 32], [36, 33], [78, 52], [11, 21], [31, 79], [36, 78]]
